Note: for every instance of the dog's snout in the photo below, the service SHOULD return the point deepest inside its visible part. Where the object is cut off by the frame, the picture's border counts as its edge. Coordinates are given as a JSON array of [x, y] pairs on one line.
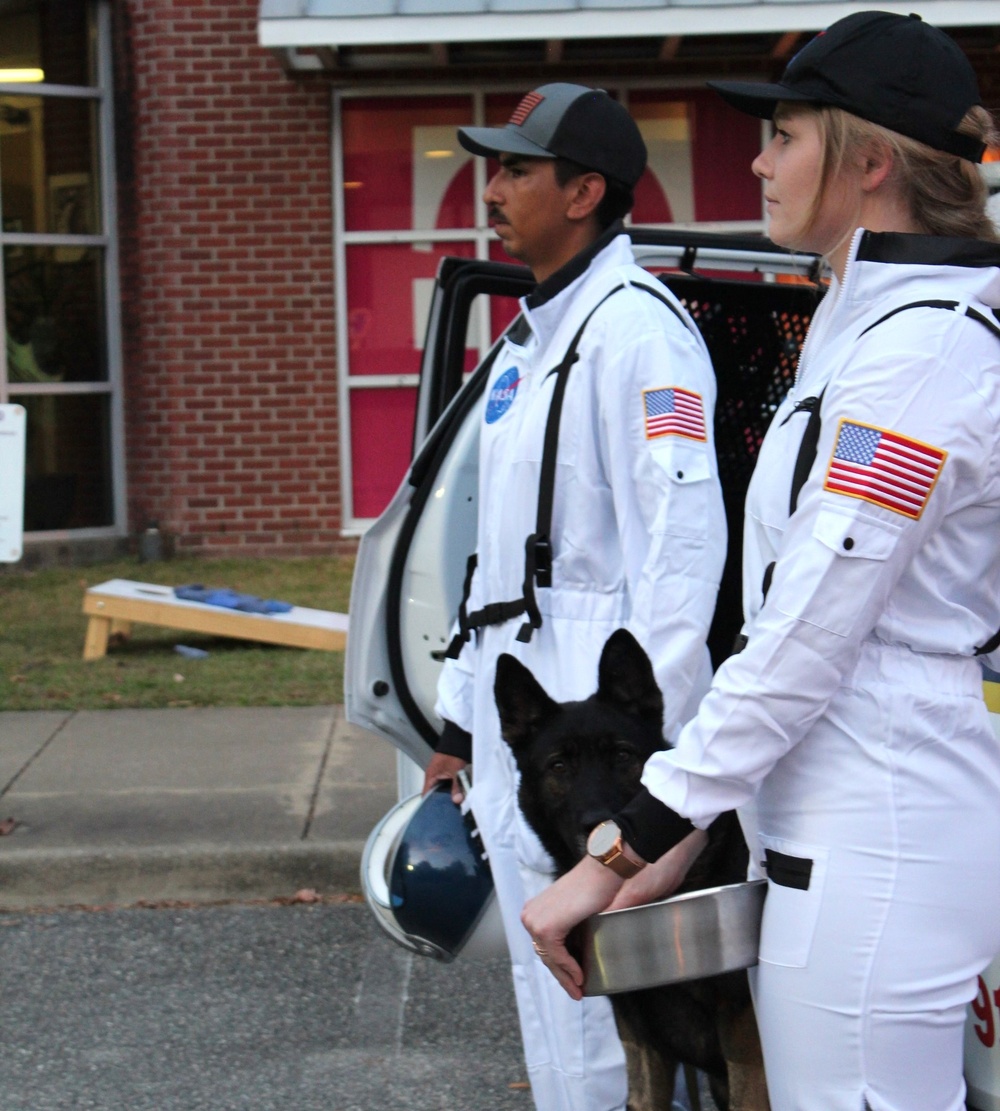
[[593, 817]]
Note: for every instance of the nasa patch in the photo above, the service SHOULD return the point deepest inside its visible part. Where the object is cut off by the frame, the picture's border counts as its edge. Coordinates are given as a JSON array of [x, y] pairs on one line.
[[502, 395]]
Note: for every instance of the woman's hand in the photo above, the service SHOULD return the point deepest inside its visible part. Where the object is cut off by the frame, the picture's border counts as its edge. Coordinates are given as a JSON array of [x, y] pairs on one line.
[[662, 877], [550, 916]]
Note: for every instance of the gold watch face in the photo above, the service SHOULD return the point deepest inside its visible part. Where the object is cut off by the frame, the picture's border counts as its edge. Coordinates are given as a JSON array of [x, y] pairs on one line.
[[603, 839]]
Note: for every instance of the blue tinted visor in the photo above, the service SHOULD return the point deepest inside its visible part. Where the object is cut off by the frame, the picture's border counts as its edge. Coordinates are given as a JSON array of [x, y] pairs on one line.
[[439, 881]]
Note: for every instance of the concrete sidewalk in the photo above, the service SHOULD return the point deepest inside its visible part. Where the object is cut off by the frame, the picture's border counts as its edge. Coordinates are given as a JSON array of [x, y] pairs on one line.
[[123, 806]]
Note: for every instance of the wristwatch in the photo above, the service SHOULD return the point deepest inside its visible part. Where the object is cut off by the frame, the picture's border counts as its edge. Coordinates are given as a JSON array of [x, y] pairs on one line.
[[606, 845]]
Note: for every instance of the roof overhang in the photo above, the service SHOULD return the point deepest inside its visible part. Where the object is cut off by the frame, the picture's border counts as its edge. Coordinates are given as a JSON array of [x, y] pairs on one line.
[[308, 38]]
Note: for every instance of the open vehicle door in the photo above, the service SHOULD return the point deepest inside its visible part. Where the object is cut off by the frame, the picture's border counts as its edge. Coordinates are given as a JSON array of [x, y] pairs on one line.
[[411, 563]]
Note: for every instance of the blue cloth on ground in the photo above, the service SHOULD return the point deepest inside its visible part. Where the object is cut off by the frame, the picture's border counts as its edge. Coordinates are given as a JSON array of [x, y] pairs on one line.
[[231, 599]]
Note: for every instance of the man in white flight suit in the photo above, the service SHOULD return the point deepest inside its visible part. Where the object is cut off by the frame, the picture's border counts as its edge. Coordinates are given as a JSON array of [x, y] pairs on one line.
[[637, 536]]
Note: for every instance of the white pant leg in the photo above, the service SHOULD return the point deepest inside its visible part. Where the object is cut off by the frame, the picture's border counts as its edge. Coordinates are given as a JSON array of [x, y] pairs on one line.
[[863, 980], [573, 1054], [572, 1050]]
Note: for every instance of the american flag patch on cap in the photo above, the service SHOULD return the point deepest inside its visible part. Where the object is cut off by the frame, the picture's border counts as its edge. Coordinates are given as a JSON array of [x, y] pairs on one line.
[[529, 102], [884, 468], [672, 411]]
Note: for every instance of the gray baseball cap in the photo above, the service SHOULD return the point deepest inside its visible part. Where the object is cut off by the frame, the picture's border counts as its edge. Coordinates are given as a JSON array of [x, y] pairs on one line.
[[567, 121]]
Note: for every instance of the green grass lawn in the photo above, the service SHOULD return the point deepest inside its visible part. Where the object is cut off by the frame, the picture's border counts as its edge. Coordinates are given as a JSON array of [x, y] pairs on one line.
[[42, 631]]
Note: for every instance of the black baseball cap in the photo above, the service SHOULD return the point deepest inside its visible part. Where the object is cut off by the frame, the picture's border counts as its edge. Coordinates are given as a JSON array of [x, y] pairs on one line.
[[567, 121], [892, 70]]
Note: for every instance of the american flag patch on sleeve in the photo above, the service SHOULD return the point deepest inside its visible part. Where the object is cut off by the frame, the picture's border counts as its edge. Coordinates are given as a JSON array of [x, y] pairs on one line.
[[672, 411], [884, 468]]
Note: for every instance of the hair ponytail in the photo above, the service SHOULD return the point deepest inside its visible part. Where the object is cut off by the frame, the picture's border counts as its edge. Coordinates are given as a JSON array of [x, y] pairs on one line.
[[945, 195]]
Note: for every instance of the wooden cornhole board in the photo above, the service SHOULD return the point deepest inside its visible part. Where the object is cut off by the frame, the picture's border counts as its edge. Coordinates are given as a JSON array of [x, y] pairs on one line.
[[113, 607]]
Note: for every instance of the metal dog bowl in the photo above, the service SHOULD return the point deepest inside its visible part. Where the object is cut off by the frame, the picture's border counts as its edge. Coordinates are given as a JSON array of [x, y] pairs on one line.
[[688, 937]]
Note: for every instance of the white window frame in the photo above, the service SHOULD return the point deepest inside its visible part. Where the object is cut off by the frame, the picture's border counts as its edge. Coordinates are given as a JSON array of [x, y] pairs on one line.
[[103, 95]]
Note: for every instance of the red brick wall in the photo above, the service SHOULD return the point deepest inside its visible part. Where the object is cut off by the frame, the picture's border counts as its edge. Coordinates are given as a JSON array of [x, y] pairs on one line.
[[232, 439], [228, 290]]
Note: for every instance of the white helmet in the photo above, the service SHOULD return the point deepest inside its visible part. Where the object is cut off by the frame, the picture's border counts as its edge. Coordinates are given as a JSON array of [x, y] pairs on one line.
[[427, 880]]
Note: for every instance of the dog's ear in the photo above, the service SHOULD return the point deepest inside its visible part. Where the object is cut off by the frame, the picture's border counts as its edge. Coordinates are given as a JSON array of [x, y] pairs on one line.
[[625, 678], [521, 701]]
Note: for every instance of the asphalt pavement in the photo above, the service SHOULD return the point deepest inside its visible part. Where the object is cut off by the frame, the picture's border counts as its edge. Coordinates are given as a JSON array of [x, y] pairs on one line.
[[155, 956], [215, 1002], [247, 1008], [120, 807]]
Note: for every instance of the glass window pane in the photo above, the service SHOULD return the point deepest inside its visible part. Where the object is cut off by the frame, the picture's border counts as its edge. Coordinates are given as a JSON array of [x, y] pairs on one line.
[[381, 442], [500, 107], [665, 193], [48, 165], [388, 294], [54, 305], [403, 167], [700, 150], [54, 37], [68, 462]]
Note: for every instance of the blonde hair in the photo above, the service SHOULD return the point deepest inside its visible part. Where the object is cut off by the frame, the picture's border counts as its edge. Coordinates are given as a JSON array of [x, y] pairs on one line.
[[945, 194]]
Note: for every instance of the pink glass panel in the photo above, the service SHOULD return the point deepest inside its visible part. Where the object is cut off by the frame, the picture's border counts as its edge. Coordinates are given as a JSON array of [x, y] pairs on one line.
[[726, 142], [388, 293], [381, 443], [499, 106], [700, 155], [403, 166]]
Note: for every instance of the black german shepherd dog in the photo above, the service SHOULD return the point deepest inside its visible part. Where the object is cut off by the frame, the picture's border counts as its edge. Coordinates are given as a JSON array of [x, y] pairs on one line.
[[579, 763]]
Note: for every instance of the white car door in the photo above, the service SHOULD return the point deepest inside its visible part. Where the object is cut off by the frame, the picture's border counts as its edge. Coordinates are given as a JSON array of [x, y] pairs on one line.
[[411, 563]]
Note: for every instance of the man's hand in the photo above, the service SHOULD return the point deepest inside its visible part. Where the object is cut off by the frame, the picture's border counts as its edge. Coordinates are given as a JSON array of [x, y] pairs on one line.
[[662, 877], [550, 916], [445, 767]]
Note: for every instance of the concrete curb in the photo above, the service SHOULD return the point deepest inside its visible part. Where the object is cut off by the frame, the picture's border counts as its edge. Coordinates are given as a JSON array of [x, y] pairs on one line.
[[41, 878]]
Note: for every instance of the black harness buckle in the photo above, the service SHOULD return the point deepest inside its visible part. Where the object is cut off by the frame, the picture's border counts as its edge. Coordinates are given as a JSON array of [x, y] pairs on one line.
[[543, 561]]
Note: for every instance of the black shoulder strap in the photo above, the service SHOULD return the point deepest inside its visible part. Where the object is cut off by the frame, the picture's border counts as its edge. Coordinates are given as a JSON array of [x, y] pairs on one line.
[[931, 304], [803, 462], [538, 546], [807, 449], [970, 312], [664, 300]]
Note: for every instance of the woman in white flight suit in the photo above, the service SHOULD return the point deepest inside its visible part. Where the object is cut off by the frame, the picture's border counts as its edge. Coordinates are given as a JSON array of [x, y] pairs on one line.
[[852, 722]]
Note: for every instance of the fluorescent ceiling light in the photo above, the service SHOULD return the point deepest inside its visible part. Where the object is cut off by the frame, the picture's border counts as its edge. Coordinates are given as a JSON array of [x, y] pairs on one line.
[[25, 73]]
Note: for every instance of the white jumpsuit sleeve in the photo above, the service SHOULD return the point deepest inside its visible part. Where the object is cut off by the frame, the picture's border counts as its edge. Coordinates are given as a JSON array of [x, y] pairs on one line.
[[839, 560], [668, 501]]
